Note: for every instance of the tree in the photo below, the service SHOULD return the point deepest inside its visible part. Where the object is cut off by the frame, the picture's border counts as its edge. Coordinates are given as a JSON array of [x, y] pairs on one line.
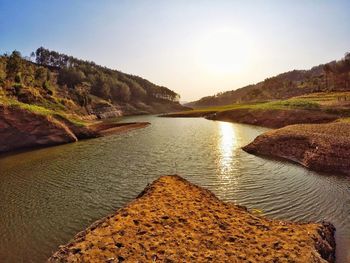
[[120, 92], [14, 64], [70, 77], [327, 70], [40, 75], [136, 90], [2, 69], [32, 56], [100, 88], [42, 56]]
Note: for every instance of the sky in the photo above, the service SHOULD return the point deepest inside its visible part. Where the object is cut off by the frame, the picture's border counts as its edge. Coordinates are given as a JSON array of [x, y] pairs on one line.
[[194, 47]]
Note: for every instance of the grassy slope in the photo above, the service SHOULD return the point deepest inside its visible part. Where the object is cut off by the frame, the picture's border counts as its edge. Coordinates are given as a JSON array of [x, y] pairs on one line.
[[331, 102], [46, 111], [63, 93], [330, 77]]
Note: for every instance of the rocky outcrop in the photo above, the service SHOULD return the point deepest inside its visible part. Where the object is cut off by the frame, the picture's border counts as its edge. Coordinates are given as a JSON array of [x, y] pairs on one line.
[[272, 118], [321, 147], [173, 220], [104, 110], [23, 129]]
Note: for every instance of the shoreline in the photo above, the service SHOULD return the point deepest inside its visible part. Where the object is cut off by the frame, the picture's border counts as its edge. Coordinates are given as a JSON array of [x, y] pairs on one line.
[[318, 147], [22, 130], [118, 129], [106, 129], [270, 118], [312, 138], [189, 223]]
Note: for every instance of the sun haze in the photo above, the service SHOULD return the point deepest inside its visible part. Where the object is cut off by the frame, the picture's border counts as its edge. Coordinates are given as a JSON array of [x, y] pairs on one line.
[[196, 48]]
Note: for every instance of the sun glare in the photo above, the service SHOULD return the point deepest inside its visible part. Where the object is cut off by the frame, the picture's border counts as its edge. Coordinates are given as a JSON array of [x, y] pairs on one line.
[[225, 51], [226, 143]]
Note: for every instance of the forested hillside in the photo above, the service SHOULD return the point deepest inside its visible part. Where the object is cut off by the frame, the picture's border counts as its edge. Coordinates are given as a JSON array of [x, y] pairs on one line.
[[333, 76], [48, 80]]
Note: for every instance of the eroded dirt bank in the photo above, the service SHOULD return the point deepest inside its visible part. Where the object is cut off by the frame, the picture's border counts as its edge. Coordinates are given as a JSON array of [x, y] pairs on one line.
[[173, 220], [320, 147], [272, 118], [23, 129]]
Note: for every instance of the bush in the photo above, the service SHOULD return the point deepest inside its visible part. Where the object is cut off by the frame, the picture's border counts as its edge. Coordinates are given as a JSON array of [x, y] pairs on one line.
[[18, 88], [48, 88], [18, 78], [70, 77], [40, 75], [304, 104]]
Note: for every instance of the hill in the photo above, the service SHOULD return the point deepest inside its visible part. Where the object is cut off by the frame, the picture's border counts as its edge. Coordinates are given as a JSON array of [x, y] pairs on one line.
[[53, 98], [333, 76], [68, 85]]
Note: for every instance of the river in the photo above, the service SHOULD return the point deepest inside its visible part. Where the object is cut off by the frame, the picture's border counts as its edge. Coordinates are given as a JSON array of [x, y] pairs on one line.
[[48, 195]]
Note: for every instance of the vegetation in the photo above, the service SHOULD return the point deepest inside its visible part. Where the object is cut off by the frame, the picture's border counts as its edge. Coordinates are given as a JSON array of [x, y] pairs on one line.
[[331, 102], [101, 81], [52, 83], [331, 77]]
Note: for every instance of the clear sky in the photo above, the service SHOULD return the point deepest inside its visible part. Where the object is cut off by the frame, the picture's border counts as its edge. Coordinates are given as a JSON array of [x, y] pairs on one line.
[[196, 48]]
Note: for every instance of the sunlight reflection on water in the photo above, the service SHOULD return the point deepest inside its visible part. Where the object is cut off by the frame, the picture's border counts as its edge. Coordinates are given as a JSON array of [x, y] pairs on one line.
[[48, 195], [226, 144]]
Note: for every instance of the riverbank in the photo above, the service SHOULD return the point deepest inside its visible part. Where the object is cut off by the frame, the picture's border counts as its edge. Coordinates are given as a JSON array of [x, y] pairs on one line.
[[24, 129], [173, 220], [270, 118], [322, 107], [109, 128], [320, 147]]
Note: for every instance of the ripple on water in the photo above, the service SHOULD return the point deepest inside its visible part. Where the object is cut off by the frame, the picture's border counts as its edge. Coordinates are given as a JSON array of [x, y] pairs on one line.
[[48, 195]]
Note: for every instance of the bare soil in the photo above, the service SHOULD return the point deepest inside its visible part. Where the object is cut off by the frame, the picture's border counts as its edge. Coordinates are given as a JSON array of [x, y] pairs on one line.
[[320, 147], [173, 220]]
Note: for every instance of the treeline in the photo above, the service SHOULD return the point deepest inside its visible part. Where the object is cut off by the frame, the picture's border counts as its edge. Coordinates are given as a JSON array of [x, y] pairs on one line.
[[16, 72], [333, 76], [337, 73], [101, 81], [61, 82]]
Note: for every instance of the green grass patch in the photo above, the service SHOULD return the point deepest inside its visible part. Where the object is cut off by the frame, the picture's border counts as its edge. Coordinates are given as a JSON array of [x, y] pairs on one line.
[[344, 120], [294, 104], [42, 110], [326, 96], [282, 104]]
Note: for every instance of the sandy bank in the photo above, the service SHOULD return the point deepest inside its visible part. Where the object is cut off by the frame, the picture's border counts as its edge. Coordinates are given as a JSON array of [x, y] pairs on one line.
[[321, 147], [173, 220]]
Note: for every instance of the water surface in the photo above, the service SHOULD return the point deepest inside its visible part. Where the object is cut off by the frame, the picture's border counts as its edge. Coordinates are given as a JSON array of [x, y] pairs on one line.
[[48, 195]]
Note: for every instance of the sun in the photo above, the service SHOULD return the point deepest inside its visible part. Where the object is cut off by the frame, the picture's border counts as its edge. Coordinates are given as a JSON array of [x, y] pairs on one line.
[[225, 51]]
